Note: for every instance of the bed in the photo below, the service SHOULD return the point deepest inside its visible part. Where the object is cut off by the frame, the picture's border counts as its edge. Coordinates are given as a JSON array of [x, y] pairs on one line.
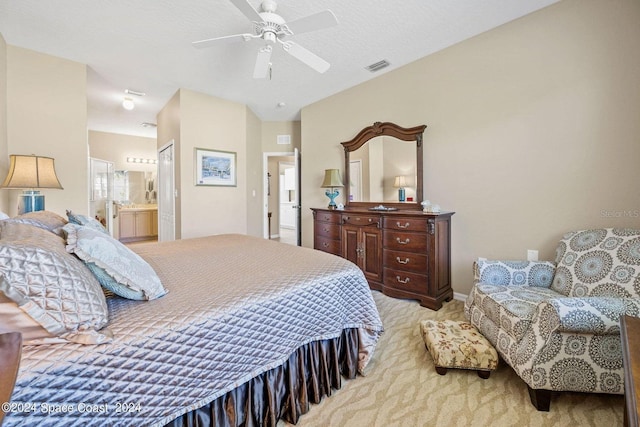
[[250, 331]]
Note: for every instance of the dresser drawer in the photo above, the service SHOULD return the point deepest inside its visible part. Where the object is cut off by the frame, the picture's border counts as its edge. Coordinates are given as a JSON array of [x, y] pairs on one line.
[[405, 281], [406, 224], [405, 261], [330, 217], [402, 241], [328, 230], [361, 220], [328, 245]]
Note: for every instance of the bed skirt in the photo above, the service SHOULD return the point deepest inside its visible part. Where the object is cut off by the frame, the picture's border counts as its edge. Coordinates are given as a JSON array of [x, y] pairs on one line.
[[285, 392]]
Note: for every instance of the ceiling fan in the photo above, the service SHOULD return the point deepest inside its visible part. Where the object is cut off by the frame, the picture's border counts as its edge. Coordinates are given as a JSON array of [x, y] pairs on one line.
[[272, 28]]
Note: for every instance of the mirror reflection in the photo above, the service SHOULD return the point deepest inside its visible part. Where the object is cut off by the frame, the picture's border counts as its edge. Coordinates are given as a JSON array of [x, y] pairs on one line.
[[383, 169], [134, 187]]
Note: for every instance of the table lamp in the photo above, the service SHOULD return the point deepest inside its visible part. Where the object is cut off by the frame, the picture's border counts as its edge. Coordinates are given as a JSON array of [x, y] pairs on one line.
[[30, 172], [400, 183], [331, 181]]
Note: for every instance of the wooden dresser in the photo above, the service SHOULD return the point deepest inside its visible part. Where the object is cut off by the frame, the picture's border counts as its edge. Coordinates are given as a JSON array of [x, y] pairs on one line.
[[404, 254]]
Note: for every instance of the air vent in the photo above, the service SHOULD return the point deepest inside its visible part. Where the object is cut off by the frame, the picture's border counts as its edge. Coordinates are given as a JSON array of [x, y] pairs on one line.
[[148, 125], [378, 66], [284, 140]]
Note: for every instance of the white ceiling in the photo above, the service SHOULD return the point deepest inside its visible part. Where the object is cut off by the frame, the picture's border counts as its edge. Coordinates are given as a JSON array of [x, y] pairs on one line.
[[145, 45]]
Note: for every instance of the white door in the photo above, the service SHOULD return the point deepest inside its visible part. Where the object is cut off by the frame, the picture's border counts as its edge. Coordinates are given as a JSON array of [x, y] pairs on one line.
[[166, 194], [298, 205]]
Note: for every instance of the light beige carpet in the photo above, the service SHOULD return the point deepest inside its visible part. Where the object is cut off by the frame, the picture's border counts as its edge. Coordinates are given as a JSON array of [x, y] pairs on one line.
[[403, 389]]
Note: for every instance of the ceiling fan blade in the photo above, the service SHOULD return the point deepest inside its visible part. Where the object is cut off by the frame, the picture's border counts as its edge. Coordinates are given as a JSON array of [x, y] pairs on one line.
[[223, 40], [262, 62], [249, 11], [317, 21], [306, 56]]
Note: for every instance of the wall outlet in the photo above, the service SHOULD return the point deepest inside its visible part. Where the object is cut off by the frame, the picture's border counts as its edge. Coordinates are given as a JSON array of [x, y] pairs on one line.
[[532, 255]]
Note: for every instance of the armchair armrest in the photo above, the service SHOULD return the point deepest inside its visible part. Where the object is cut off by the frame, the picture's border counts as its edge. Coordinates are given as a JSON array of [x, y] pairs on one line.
[[591, 315], [514, 273]]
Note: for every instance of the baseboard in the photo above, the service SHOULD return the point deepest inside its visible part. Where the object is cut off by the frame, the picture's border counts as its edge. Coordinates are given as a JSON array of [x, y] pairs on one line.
[[459, 297]]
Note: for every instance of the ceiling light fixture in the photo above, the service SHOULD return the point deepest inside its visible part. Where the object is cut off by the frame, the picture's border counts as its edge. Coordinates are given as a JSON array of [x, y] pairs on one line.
[[148, 125], [128, 103], [134, 92]]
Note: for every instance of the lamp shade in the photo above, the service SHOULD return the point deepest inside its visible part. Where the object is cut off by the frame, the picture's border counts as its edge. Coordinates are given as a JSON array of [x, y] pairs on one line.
[[400, 182], [31, 172], [332, 179]]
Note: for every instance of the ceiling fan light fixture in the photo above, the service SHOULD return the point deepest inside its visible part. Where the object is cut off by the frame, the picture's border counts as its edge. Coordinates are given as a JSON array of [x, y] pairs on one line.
[[377, 66]]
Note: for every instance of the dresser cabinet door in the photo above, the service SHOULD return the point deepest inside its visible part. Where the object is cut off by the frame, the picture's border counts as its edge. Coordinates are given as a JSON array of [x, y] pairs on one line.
[[363, 247]]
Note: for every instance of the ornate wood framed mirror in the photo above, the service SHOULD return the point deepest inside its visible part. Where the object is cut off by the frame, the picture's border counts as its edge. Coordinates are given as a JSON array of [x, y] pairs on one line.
[[388, 170]]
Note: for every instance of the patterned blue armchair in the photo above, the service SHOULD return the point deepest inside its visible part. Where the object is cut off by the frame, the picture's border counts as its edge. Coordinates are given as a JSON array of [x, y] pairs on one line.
[[557, 325]]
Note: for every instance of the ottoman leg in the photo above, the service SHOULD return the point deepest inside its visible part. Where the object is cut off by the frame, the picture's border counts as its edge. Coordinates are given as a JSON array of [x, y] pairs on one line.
[[484, 374], [441, 370]]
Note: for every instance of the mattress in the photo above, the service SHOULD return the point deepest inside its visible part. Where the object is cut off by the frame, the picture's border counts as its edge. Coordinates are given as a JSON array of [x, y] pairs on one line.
[[237, 306]]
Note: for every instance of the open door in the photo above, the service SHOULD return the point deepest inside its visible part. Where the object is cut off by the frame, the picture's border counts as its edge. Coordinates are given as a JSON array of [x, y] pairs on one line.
[[101, 192], [298, 204]]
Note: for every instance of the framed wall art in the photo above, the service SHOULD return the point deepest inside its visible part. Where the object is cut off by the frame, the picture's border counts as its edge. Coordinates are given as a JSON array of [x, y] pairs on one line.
[[215, 167]]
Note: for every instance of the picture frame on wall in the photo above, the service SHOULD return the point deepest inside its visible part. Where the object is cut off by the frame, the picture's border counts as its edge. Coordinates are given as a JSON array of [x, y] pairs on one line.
[[215, 168]]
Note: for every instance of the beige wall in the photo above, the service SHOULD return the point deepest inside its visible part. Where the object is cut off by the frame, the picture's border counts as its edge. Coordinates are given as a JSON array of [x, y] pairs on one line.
[[212, 123], [532, 130], [270, 132], [115, 148], [4, 155], [254, 175], [47, 116]]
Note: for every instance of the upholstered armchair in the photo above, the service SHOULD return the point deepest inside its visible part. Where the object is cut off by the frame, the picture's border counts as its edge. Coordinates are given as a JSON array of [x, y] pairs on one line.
[[558, 324]]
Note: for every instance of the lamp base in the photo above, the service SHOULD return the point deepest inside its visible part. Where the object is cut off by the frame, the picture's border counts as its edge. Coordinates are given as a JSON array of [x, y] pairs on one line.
[[401, 195], [30, 201], [332, 198]]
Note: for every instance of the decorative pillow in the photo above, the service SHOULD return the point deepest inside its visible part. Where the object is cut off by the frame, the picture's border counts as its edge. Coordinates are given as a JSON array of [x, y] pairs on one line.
[[522, 273], [16, 320], [600, 262], [86, 221], [115, 266], [44, 219], [52, 286]]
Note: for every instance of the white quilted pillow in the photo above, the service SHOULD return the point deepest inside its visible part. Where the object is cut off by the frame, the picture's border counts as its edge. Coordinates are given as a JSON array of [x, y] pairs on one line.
[[52, 286]]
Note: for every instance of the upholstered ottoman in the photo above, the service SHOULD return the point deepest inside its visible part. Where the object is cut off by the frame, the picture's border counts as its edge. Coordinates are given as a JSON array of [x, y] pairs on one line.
[[454, 344]]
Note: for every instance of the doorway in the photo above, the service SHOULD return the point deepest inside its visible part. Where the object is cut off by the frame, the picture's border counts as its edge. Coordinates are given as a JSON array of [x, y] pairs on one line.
[[282, 197]]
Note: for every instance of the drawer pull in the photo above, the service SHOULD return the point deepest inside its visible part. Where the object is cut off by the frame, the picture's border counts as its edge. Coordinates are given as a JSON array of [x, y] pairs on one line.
[[402, 261], [403, 242], [326, 230], [325, 244], [406, 225], [404, 282]]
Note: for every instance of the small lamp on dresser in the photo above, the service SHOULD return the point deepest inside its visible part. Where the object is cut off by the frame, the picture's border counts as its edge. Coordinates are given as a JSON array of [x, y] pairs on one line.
[[400, 183], [332, 181], [28, 173]]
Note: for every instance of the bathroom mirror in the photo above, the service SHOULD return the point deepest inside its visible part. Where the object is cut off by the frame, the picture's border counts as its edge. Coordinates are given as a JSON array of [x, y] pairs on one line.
[[383, 166]]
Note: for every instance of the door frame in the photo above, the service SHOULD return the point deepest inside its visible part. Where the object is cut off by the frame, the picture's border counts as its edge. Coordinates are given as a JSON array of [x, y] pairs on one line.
[[265, 188]]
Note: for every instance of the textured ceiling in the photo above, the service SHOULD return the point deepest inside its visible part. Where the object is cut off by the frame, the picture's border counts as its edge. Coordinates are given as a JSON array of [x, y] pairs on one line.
[[145, 45]]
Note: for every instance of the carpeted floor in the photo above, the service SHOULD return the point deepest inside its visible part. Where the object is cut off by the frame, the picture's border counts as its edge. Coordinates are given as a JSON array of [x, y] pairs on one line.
[[402, 388]]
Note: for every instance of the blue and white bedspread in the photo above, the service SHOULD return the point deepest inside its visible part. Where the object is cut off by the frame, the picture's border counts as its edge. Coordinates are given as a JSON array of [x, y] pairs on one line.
[[237, 306]]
